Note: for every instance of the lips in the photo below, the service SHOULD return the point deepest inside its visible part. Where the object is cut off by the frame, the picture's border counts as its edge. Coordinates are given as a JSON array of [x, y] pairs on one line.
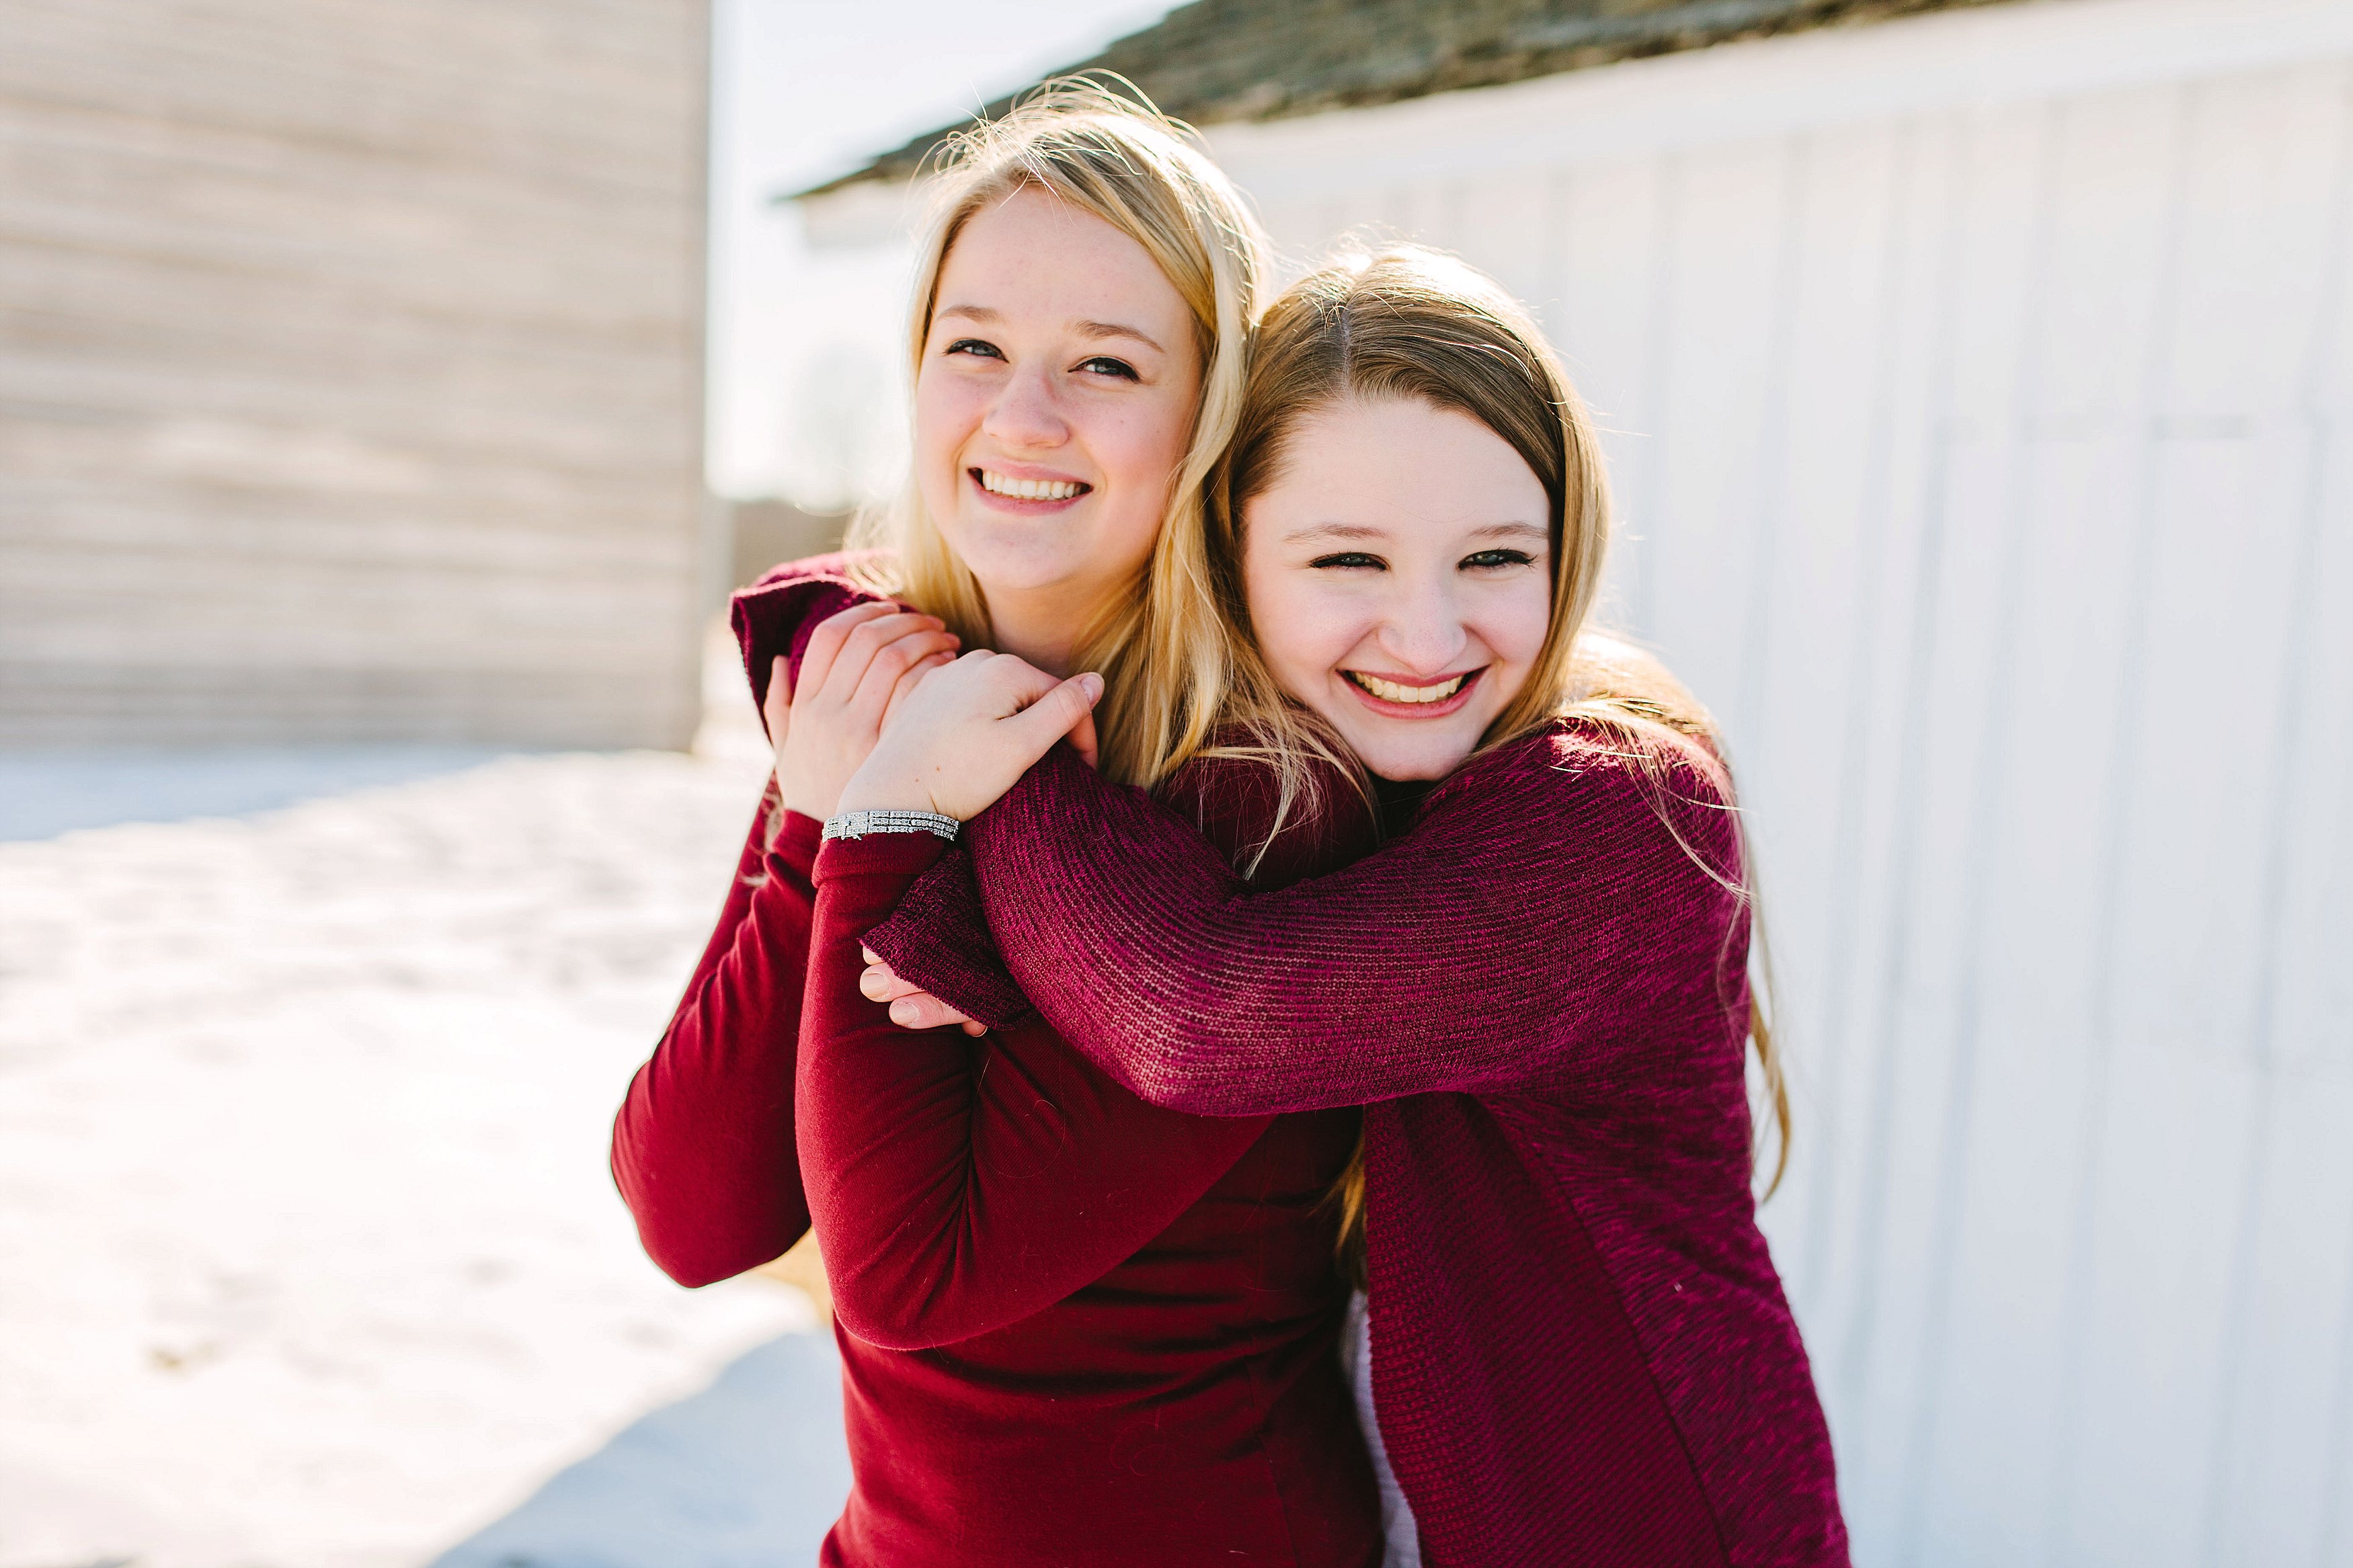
[[1394, 699], [1398, 692], [1013, 488]]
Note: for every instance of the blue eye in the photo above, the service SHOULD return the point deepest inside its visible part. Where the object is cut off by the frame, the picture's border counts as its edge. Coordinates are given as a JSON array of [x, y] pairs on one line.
[[1103, 365], [1351, 560], [974, 347], [1491, 560]]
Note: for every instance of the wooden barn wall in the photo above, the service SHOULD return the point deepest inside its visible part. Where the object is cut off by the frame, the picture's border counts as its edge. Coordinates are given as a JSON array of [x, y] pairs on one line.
[[351, 370], [1983, 447]]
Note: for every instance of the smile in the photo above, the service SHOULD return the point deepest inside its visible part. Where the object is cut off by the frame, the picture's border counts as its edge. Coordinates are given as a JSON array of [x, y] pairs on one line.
[[1397, 691], [998, 484]]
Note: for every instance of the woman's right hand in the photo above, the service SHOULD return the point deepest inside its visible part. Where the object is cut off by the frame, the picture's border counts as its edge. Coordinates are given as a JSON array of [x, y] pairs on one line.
[[858, 664], [969, 733]]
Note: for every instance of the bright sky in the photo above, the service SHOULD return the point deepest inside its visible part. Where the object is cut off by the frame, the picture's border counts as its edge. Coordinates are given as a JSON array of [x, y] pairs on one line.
[[801, 345]]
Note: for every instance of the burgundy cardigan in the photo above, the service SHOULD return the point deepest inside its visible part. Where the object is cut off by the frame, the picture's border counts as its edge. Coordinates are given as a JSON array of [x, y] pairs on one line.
[[1581, 1350]]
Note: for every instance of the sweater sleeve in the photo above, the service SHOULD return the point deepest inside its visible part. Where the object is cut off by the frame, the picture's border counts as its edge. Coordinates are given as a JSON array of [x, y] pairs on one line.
[[960, 1184], [1548, 899], [938, 939], [703, 1149]]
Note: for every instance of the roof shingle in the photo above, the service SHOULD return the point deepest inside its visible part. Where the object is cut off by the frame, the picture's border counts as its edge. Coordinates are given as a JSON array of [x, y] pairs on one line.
[[1265, 59]]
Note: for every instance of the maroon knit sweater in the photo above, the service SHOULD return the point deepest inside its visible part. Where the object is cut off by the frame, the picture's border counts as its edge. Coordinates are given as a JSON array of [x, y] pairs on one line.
[[1581, 1350]]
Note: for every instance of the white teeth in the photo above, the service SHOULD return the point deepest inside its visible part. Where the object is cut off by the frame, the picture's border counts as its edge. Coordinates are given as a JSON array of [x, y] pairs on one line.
[[1391, 691], [1028, 489]]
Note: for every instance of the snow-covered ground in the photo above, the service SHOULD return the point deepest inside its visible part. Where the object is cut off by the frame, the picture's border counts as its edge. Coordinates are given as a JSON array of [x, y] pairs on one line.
[[308, 1254]]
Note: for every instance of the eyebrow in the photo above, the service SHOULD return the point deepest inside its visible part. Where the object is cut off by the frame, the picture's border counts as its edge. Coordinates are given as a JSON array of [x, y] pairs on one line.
[[1512, 530], [1335, 531], [1114, 330], [1363, 530], [1095, 330]]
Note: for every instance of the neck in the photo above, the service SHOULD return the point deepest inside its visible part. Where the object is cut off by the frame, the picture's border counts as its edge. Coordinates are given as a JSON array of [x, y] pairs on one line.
[[1039, 627]]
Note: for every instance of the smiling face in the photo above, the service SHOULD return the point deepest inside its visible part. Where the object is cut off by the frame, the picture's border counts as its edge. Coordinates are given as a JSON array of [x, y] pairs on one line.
[[1056, 397], [1399, 578]]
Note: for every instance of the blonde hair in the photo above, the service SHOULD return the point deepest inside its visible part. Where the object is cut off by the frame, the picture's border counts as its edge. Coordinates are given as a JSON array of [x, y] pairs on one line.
[[1406, 323], [1160, 649]]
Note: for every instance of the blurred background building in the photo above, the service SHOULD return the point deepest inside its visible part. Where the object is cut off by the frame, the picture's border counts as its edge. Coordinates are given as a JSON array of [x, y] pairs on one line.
[[1976, 378], [351, 370]]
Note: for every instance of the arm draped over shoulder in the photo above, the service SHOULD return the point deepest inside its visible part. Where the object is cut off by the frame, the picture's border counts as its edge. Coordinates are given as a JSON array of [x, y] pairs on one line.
[[1551, 901]]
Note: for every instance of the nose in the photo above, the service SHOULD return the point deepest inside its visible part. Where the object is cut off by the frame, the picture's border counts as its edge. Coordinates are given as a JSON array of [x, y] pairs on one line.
[[1027, 412], [1423, 630]]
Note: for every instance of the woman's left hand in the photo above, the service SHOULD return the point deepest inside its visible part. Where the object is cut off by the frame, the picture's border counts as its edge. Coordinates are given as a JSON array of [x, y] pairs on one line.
[[968, 732], [912, 1007]]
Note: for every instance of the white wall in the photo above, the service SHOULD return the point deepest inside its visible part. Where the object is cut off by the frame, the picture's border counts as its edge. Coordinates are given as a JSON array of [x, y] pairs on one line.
[[1978, 386]]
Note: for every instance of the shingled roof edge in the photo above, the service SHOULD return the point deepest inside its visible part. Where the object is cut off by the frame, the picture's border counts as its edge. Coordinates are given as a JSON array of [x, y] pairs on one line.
[[1550, 38]]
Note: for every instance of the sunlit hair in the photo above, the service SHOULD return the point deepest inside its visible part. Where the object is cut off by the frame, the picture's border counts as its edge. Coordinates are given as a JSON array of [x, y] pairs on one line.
[[1159, 648], [1405, 323]]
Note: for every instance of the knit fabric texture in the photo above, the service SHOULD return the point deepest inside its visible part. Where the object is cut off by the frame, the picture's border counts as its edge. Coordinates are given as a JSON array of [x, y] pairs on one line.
[[1582, 1352]]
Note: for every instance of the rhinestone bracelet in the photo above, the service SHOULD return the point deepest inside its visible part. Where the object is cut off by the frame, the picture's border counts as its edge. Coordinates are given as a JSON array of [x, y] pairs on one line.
[[858, 824]]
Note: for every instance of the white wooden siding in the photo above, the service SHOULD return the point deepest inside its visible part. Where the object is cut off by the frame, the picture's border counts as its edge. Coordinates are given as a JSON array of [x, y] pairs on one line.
[[350, 370], [1977, 389]]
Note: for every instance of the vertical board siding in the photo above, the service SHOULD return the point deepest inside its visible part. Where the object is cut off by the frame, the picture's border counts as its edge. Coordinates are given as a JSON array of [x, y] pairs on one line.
[[350, 370], [1986, 470]]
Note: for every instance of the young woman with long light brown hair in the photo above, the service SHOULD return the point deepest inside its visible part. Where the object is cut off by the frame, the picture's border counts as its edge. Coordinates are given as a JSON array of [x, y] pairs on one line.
[[1577, 1350]]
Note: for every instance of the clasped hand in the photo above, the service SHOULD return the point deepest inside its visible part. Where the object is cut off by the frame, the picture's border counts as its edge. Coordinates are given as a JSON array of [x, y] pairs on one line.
[[860, 665], [981, 720], [968, 731], [957, 742], [886, 717]]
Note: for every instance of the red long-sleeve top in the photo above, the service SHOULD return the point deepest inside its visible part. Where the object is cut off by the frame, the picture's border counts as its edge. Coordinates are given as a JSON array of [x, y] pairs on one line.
[[1581, 1351], [703, 1149], [1075, 1328]]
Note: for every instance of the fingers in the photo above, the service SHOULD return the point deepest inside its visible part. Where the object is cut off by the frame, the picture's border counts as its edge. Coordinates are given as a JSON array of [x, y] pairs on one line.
[[913, 678], [872, 639], [776, 705], [880, 982], [1055, 714], [825, 643], [966, 733], [912, 1007], [924, 1011], [1005, 684], [890, 664], [1082, 740]]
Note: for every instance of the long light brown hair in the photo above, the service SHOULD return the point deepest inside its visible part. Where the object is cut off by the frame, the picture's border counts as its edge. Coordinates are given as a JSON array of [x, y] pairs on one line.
[[1405, 323], [1160, 646]]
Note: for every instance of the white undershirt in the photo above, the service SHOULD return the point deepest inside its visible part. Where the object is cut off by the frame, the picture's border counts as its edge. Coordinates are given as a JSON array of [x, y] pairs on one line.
[[1397, 1515]]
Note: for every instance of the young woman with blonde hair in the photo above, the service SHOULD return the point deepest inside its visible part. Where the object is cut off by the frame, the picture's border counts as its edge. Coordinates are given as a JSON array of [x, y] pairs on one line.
[[1075, 1328], [1577, 1350]]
